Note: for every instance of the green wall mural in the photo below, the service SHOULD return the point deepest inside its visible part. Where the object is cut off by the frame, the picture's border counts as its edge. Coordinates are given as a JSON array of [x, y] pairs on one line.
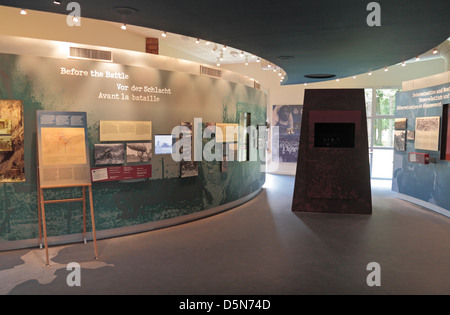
[[108, 91]]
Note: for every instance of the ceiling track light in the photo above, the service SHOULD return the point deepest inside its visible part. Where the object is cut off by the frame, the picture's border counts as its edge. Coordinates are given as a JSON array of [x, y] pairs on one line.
[[417, 58], [258, 59], [23, 12], [386, 69], [224, 47], [370, 73], [218, 62], [221, 56], [403, 64], [246, 61], [164, 34], [123, 26], [197, 41], [435, 51]]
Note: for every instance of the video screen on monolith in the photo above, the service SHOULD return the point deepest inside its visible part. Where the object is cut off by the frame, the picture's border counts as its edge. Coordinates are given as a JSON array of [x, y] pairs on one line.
[[334, 135]]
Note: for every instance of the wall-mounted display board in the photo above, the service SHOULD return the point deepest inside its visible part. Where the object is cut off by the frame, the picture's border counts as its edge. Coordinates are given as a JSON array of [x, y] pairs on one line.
[[427, 133], [12, 165], [424, 109], [117, 173], [188, 167], [288, 120], [62, 148], [125, 130], [139, 152], [400, 140], [421, 158], [400, 123], [164, 144], [333, 168]]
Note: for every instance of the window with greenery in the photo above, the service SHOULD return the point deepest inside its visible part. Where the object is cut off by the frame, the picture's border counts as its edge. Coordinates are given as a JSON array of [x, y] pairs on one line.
[[380, 106]]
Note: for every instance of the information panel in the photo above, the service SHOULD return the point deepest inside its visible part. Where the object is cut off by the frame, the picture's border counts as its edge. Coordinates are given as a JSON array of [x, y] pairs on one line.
[[62, 148], [125, 130], [116, 173]]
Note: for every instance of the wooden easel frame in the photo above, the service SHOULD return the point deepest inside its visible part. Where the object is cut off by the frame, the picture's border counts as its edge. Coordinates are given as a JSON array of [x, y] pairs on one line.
[[41, 215], [42, 202]]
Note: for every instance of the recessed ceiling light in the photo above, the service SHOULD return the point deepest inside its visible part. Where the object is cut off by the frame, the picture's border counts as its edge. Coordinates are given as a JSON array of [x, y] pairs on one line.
[[417, 58], [435, 51], [23, 12], [320, 76]]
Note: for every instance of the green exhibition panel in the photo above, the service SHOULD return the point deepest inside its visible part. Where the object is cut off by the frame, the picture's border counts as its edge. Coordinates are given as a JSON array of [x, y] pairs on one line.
[[132, 112]]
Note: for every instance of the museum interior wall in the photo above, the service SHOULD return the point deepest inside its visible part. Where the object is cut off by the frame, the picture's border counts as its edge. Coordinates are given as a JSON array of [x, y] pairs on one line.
[[160, 92], [421, 144]]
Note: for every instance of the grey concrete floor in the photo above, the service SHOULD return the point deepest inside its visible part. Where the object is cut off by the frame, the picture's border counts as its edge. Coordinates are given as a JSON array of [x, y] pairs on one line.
[[259, 248]]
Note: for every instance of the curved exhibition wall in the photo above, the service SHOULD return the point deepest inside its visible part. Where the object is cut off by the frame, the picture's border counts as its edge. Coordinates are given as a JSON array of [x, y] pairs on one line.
[[135, 87], [421, 172]]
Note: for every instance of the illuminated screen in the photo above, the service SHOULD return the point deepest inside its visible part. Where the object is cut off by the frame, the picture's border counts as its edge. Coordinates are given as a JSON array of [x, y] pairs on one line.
[[164, 144]]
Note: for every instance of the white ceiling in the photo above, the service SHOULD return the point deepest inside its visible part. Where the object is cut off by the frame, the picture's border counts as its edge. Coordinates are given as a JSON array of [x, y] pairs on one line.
[[202, 50]]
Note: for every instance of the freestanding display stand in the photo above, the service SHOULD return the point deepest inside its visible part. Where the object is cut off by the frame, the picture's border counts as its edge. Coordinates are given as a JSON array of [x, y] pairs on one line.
[[333, 172], [42, 221], [63, 162]]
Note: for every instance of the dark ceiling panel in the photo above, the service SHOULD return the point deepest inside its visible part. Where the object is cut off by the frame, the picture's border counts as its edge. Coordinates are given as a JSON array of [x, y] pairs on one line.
[[301, 36]]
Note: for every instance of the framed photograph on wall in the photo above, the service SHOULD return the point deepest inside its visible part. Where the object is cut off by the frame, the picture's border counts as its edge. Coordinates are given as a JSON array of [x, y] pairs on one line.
[[427, 133], [400, 123], [109, 154], [400, 140], [12, 153]]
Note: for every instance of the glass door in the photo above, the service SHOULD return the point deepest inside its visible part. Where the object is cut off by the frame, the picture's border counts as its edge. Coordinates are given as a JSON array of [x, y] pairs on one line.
[[380, 106]]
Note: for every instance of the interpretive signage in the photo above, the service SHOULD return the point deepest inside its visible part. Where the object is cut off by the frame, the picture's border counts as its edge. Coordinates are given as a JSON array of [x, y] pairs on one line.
[[62, 148], [116, 173]]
